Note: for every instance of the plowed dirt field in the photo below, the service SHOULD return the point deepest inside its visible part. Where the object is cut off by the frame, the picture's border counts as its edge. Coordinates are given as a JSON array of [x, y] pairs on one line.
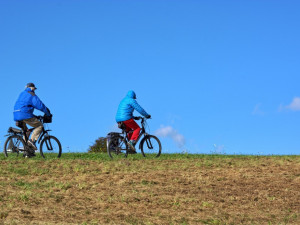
[[170, 190]]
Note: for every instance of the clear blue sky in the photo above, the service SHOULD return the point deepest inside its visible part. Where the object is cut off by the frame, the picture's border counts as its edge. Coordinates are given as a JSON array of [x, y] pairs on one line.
[[216, 76]]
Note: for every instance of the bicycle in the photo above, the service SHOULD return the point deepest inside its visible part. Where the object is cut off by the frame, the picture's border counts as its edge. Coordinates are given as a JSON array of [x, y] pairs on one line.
[[118, 147], [17, 141]]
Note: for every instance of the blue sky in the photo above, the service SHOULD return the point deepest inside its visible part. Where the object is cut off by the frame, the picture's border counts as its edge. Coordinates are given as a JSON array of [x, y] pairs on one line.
[[216, 76]]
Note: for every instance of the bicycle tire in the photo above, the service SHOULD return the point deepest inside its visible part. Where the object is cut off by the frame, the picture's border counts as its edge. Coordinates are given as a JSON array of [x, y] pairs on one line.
[[117, 148], [12, 147], [50, 149], [151, 146]]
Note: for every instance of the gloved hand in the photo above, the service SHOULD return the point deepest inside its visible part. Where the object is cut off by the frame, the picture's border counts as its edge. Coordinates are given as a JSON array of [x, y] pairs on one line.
[[148, 117], [47, 119]]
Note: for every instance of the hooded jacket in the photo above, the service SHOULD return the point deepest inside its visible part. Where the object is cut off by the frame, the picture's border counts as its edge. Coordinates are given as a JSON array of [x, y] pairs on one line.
[[127, 106], [25, 105]]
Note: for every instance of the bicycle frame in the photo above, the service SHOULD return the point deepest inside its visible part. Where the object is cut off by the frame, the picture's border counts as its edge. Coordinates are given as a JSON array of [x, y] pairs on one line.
[[142, 133], [118, 142], [47, 142], [43, 134]]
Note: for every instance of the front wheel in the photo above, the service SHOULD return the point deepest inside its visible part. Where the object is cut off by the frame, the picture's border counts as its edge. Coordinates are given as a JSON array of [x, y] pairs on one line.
[[151, 146], [50, 147], [117, 148]]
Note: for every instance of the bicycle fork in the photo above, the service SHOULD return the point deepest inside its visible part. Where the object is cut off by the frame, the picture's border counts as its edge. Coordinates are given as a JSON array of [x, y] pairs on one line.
[[48, 144], [149, 144]]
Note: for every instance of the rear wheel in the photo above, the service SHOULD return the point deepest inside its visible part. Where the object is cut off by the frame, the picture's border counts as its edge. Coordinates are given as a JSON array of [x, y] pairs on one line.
[[117, 148], [50, 147], [14, 145], [151, 146]]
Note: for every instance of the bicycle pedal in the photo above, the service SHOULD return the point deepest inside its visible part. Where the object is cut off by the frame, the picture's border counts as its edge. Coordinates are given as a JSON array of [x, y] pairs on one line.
[[132, 152]]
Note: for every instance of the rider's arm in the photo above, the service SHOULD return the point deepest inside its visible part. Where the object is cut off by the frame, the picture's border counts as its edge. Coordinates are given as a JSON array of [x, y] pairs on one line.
[[38, 104], [138, 108]]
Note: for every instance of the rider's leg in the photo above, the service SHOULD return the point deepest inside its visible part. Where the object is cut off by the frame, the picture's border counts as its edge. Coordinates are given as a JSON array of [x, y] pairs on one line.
[[23, 126], [132, 125], [38, 125], [129, 132], [133, 131]]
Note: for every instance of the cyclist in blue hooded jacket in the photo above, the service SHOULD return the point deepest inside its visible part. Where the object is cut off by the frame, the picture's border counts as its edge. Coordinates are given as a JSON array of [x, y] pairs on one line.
[[125, 115], [23, 112]]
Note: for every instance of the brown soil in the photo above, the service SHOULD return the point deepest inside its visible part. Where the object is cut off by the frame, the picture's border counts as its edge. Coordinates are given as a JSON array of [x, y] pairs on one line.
[[262, 190]]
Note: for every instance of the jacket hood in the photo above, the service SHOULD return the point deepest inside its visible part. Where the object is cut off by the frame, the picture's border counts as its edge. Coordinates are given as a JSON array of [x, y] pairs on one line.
[[131, 94]]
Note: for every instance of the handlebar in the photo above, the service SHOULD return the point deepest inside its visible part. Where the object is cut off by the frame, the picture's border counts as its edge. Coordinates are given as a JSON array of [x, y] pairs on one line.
[[39, 117], [44, 118], [141, 118]]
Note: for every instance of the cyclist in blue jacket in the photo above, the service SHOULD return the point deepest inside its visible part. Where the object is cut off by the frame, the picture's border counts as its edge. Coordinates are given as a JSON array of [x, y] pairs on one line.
[[125, 115], [23, 112]]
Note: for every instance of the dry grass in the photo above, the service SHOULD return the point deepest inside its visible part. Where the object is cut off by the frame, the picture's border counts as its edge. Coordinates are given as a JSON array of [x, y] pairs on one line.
[[170, 190]]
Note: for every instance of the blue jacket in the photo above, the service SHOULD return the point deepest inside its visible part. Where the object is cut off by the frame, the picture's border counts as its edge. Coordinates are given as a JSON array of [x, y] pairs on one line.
[[127, 106], [26, 104]]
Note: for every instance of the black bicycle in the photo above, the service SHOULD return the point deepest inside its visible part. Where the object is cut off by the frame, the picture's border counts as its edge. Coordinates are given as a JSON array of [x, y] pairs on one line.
[[118, 147], [16, 142]]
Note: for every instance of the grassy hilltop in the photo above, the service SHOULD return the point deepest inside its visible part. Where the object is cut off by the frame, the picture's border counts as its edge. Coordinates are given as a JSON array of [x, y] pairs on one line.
[[173, 189]]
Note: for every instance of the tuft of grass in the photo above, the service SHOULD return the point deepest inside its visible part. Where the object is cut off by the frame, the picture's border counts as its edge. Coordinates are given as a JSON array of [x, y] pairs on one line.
[[207, 204], [24, 197], [211, 221], [3, 215]]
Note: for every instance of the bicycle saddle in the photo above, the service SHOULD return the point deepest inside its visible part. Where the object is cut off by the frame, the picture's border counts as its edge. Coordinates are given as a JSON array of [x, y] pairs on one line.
[[14, 130]]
